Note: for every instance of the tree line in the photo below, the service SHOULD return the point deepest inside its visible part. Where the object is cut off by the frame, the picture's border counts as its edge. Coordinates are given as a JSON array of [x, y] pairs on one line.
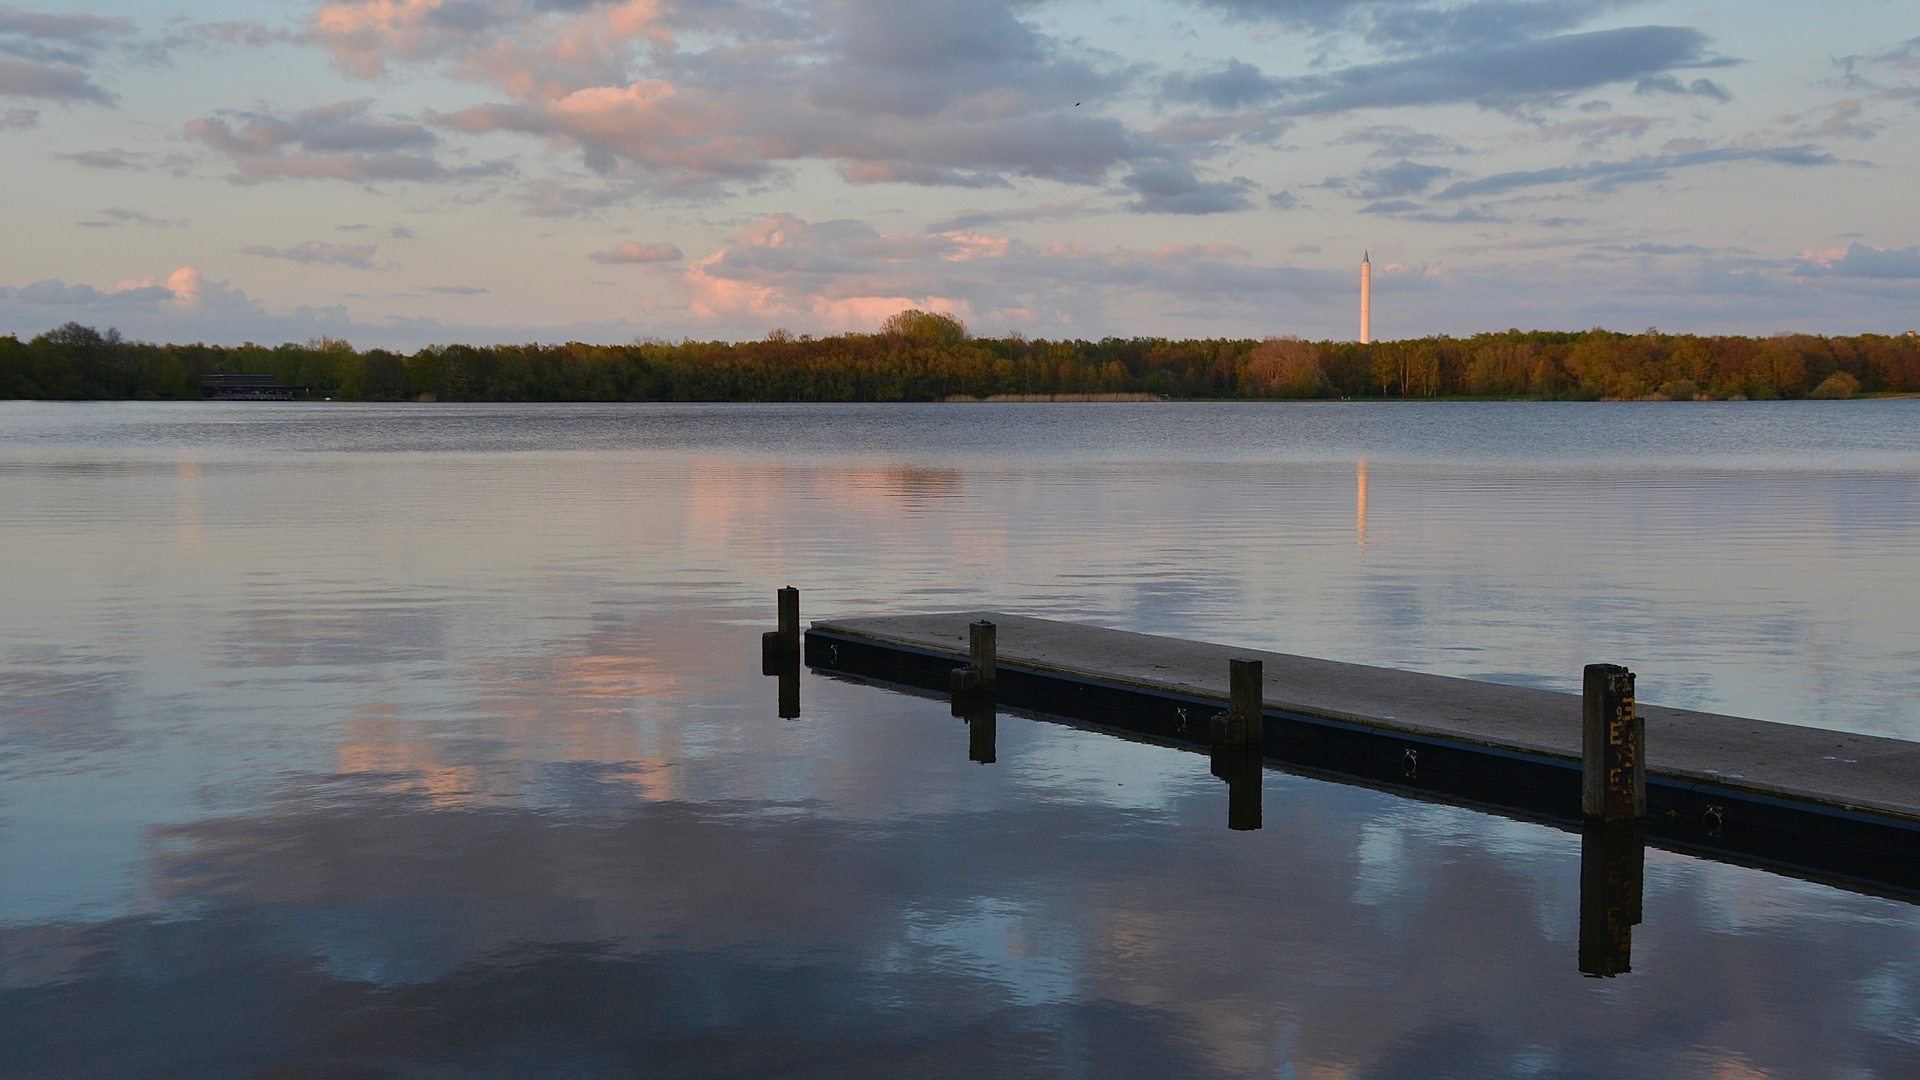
[[919, 356]]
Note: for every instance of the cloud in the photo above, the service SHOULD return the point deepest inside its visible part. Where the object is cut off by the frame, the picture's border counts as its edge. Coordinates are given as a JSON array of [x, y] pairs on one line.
[[115, 158], [178, 306], [532, 49], [1422, 28], [1862, 261], [116, 216], [1283, 200], [1174, 189], [457, 290], [950, 93], [1403, 177], [1669, 84], [21, 32], [845, 275], [1492, 76], [968, 220], [1399, 140], [1597, 131], [55, 82], [183, 286], [1607, 175], [1234, 86], [356, 256], [339, 142], [1840, 120], [20, 118], [635, 252], [44, 55]]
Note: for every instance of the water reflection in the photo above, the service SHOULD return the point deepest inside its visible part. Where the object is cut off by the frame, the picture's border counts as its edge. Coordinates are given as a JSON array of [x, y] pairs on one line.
[[455, 761], [1612, 880], [1243, 768]]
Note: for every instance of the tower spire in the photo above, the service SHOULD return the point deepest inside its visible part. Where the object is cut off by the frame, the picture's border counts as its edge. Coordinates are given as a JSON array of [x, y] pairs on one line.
[[1366, 297]]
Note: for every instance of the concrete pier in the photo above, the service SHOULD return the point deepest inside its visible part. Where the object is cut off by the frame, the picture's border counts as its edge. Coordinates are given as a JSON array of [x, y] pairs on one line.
[[1837, 805]]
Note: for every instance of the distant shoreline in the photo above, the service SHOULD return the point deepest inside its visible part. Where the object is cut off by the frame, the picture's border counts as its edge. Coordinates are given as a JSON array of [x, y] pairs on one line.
[[935, 360]]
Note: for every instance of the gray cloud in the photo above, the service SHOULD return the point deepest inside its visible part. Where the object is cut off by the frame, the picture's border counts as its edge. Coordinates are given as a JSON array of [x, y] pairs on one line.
[[457, 290], [1503, 75], [115, 158], [1670, 84], [116, 216], [56, 39], [635, 252], [1408, 210], [1606, 175], [355, 256], [1283, 200], [20, 118], [976, 219], [1174, 189], [44, 55], [1399, 140], [340, 142], [1403, 177], [1862, 261], [1234, 86], [54, 82], [1423, 28]]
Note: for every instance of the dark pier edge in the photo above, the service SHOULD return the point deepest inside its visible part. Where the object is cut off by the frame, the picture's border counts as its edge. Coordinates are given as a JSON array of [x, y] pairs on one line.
[[1851, 849]]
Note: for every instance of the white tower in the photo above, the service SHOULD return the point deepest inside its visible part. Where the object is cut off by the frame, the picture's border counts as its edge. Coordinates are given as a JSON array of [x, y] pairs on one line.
[[1366, 298]]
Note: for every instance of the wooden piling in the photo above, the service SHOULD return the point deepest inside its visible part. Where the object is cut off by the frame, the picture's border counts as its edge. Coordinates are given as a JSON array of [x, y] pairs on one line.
[[1613, 768], [1244, 723], [982, 652], [778, 645]]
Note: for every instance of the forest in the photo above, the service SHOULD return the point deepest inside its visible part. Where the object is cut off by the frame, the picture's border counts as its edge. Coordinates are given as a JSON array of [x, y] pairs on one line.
[[919, 356]]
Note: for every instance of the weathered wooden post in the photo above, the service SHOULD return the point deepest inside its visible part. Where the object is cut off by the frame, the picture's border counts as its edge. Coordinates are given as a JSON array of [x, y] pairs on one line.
[[1612, 877], [983, 653], [1613, 767], [1243, 724], [778, 645], [978, 678]]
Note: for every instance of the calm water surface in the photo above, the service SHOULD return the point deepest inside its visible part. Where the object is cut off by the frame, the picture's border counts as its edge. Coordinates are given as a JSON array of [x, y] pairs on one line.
[[430, 740]]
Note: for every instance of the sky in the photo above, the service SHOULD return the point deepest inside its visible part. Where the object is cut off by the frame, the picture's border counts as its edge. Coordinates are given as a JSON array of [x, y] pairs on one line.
[[399, 173]]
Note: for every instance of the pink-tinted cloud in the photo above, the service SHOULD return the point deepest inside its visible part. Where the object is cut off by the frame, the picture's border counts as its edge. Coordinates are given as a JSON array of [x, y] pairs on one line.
[[635, 252], [844, 275]]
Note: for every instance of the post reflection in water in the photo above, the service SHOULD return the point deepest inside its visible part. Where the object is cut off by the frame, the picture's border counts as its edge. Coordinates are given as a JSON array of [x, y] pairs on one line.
[[982, 715], [1243, 768], [788, 670], [1612, 873]]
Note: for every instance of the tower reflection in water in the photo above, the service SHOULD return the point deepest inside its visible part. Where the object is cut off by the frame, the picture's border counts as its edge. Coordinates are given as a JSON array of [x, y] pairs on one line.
[[1612, 872]]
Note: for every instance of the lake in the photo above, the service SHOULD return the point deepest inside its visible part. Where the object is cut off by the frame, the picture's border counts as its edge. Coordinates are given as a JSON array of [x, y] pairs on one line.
[[396, 740]]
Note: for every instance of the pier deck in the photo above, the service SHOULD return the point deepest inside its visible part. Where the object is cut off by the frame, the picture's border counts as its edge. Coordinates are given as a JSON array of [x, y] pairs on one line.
[[1843, 804]]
